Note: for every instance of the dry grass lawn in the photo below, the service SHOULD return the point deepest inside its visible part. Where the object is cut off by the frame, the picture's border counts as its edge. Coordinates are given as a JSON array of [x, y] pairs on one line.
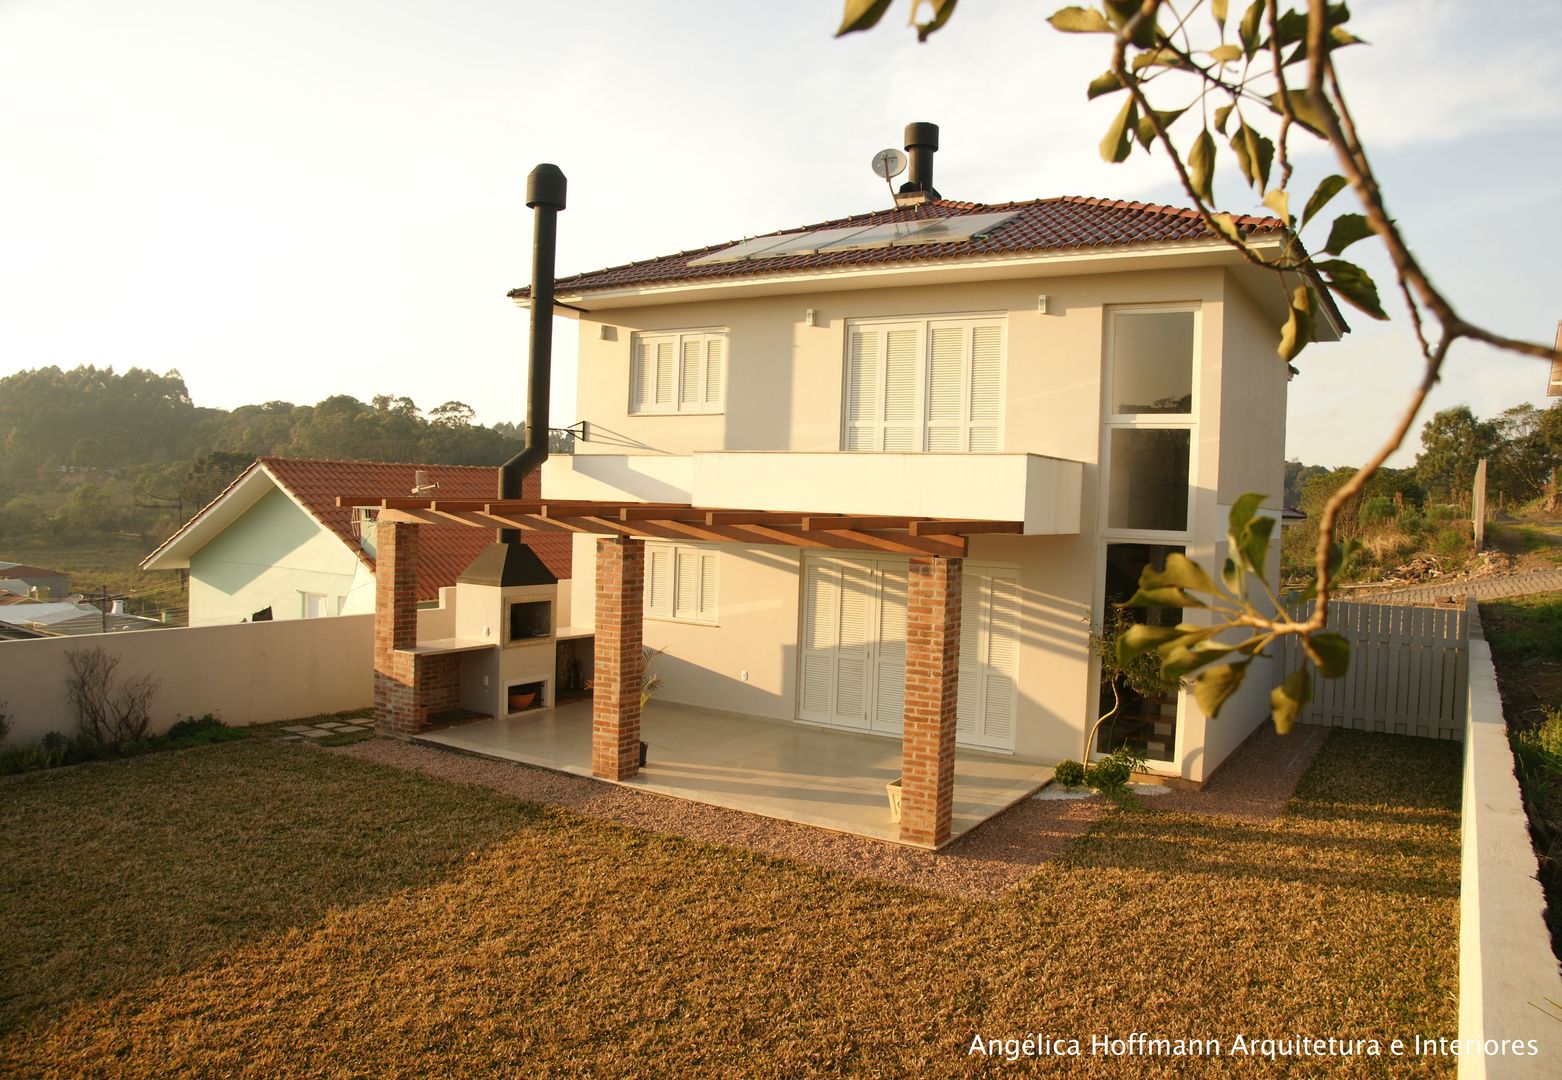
[[262, 909]]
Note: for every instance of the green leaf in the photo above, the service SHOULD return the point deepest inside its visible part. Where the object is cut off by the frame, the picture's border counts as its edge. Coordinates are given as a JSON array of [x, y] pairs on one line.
[[1226, 226], [1201, 166], [861, 15], [1181, 572], [1241, 516], [1217, 8], [1303, 111], [1214, 688], [1346, 230], [1162, 597], [1226, 54], [1177, 660], [1291, 26], [1105, 83], [1117, 144], [1248, 30], [1231, 574], [942, 9], [1330, 651], [1287, 700], [1140, 638], [1147, 126], [1297, 332], [1279, 200], [1327, 188], [1078, 20], [1222, 114], [1352, 283], [1255, 545], [1255, 154]]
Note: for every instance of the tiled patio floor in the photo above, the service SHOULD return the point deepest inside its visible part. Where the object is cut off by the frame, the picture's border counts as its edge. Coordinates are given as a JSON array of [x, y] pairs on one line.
[[798, 772]]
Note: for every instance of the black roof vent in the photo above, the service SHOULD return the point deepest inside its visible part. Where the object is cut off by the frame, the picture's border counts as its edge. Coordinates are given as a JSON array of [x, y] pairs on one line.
[[921, 144], [505, 565]]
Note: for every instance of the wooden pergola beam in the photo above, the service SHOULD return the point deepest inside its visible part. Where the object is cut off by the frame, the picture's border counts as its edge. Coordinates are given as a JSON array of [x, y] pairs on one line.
[[854, 522], [942, 527]]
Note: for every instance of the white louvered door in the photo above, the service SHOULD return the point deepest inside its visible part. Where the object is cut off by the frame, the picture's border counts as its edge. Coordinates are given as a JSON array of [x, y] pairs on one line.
[[853, 665]]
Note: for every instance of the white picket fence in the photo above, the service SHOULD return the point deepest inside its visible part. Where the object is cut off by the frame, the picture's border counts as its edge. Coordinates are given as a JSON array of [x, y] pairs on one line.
[[1409, 669]]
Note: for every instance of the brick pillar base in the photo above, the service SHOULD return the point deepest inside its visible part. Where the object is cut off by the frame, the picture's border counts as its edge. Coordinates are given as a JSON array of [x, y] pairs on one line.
[[615, 703], [927, 749], [397, 709]]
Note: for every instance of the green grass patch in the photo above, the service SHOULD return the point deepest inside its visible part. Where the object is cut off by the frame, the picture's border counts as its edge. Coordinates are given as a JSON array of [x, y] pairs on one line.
[[260, 908], [1524, 627], [57, 749]]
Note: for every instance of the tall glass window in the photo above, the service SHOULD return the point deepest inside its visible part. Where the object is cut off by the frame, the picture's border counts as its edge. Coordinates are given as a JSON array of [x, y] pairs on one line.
[[1149, 418]]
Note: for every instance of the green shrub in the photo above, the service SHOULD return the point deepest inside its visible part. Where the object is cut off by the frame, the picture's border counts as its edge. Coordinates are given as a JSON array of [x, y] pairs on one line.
[[1069, 773], [1376, 510], [198, 731], [1450, 544], [1110, 775], [1443, 512], [1412, 521]]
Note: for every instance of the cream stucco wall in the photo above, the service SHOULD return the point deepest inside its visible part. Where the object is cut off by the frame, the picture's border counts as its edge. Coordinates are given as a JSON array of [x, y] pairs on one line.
[[271, 557], [784, 392]]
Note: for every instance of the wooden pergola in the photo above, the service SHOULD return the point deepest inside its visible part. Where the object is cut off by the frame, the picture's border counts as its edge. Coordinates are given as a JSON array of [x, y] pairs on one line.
[[892, 534], [936, 546]]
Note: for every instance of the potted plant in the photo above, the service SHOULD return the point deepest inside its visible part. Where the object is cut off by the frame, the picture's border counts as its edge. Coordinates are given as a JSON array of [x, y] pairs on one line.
[[650, 683]]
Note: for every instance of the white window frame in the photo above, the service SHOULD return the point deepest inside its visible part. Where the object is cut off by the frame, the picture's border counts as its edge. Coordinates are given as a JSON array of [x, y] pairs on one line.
[[1144, 422], [924, 326], [704, 405], [305, 597], [679, 558]]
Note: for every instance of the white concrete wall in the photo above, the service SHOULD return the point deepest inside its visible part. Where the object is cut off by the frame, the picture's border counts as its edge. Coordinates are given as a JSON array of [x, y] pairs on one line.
[[270, 557], [253, 673], [1509, 986]]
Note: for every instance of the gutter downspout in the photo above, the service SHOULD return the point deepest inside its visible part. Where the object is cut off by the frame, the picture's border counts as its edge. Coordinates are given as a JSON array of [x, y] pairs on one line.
[[545, 188]]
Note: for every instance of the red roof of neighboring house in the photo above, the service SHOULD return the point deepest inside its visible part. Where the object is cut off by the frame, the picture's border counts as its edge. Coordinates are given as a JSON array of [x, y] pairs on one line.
[[1059, 224], [443, 550], [23, 570]]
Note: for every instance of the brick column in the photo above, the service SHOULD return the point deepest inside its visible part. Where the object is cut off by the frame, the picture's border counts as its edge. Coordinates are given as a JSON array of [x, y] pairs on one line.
[[396, 707], [927, 748], [615, 704]]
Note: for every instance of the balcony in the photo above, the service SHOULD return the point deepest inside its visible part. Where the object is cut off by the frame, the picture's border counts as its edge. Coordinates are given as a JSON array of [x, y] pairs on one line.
[[1044, 493]]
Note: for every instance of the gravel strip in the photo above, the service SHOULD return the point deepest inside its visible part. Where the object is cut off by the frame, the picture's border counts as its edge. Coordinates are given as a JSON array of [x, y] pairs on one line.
[[1253, 786], [1256, 781], [979, 865]]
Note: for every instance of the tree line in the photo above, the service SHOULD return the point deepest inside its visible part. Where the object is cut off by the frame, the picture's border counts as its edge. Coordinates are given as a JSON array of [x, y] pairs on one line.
[[90, 450]]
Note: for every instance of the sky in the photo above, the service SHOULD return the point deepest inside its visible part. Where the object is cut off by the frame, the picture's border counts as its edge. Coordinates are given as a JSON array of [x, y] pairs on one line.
[[296, 198]]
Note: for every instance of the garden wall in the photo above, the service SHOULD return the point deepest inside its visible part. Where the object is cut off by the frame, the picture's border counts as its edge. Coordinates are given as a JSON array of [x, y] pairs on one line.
[[1509, 986], [246, 673]]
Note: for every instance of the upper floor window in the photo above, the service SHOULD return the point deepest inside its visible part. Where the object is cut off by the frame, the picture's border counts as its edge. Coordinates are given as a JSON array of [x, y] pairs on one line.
[[678, 372], [1150, 421], [924, 384]]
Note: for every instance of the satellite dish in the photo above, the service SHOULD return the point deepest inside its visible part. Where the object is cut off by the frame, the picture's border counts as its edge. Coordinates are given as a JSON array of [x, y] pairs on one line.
[[889, 163]]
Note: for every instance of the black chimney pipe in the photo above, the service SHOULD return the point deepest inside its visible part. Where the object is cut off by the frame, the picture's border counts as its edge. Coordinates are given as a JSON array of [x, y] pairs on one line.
[[921, 143], [545, 188]]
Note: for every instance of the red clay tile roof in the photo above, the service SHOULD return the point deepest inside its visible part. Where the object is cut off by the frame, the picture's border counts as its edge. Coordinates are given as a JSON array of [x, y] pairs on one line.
[[23, 570], [443, 550], [1060, 224]]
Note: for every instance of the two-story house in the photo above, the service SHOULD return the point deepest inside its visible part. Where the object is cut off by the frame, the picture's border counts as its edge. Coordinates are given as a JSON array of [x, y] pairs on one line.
[[896, 465]]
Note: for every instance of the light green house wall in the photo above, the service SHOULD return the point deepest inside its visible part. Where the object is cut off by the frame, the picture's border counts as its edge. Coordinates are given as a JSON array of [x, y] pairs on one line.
[[272, 556]]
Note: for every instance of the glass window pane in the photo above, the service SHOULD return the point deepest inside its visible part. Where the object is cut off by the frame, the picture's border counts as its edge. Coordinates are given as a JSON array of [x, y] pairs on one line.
[[1152, 362], [1148, 723], [1148, 485]]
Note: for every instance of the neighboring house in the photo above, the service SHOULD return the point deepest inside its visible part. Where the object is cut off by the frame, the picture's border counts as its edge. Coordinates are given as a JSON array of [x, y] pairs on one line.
[[1101, 375], [274, 544], [23, 617], [23, 580]]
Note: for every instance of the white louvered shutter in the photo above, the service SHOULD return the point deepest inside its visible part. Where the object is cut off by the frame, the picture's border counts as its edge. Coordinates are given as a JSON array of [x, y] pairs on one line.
[[714, 363], [889, 684], [946, 395], [690, 369], [862, 390], [659, 581], [968, 701], [902, 374], [666, 372], [641, 369], [821, 595], [707, 588], [1001, 668], [686, 592], [853, 643], [986, 373]]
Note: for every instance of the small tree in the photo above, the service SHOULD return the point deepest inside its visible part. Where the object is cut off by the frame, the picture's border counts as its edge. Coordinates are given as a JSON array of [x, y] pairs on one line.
[[1140, 673], [108, 716]]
